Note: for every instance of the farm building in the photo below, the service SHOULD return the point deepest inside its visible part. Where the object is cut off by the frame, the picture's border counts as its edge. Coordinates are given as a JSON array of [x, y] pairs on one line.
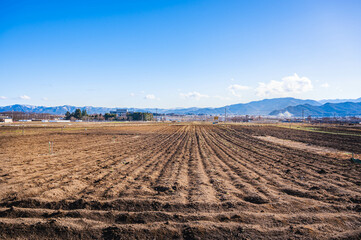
[[5, 119], [120, 112]]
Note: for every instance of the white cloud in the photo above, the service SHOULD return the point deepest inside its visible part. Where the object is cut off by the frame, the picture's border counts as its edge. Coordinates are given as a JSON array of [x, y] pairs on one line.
[[286, 87], [45, 99], [132, 94], [325, 85], [150, 97], [3, 97], [193, 95], [236, 88], [24, 97]]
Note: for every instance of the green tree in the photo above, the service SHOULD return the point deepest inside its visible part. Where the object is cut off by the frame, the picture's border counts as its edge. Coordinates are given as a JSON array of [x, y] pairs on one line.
[[148, 116], [67, 115], [110, 116], [139, 116], [77, 114], [84, 113]]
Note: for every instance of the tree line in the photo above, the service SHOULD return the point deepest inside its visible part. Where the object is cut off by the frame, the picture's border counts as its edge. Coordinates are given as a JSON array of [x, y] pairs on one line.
[[79, 114], [133, 116]]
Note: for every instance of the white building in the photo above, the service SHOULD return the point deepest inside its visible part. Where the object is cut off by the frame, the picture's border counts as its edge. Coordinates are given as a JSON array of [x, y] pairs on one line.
[[120, 112], [6, 119]]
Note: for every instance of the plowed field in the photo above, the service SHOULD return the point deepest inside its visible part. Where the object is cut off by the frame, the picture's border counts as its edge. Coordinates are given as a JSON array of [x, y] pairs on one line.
[[164, 181]]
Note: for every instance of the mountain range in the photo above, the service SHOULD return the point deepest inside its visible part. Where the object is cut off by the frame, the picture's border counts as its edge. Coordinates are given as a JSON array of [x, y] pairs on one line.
[[325, 110], [339, 100], [274, 106]]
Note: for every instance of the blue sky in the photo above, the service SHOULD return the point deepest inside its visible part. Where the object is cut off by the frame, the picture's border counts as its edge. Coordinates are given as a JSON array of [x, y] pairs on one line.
[[177, 53]]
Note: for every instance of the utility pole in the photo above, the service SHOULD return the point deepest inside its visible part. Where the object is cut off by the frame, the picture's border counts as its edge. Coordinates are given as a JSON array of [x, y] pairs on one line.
[[225, 114], [156, 114]]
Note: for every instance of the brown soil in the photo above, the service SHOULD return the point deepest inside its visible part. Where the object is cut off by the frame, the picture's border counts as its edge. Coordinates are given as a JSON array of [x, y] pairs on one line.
[[331, 152], [163, 181], [343, 139]]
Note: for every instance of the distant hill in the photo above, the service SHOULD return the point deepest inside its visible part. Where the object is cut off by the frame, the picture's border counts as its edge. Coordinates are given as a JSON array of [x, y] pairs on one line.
[[262, 107], [339, 100], [58, 110], [325, 110]]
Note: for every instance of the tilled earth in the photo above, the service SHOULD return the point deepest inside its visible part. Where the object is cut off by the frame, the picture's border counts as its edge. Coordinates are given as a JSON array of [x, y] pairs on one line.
[[172, 181], [341, 138]]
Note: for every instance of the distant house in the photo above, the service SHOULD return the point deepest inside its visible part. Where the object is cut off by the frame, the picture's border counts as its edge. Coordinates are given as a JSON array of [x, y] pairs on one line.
[[120, 112], [6, 119]]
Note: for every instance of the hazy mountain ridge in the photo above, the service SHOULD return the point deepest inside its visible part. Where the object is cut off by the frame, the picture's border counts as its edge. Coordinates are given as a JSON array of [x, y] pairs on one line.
[[272, 106], [262, 107], [339, 100], [57, 110], [325, 110]]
